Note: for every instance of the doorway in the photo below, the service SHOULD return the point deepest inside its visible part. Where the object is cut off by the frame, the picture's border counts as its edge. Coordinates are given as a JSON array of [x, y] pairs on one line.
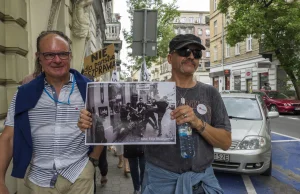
[[249, 85]]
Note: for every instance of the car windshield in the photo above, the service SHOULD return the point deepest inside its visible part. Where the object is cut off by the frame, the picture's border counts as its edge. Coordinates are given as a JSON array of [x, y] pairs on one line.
[[277, 95], [242, 108]]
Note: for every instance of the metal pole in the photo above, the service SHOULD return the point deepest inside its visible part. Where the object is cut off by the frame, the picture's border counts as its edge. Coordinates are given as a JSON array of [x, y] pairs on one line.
[[223, 44], [144, 45]]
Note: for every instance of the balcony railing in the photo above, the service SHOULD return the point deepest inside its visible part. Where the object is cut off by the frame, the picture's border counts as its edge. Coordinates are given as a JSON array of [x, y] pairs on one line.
[[112, 31]]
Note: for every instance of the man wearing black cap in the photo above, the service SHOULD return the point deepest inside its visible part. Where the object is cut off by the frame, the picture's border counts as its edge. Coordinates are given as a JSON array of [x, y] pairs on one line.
[[201, 106]]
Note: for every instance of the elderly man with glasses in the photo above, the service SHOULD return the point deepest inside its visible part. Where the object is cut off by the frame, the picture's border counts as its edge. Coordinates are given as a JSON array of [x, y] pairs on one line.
[[41, 127]]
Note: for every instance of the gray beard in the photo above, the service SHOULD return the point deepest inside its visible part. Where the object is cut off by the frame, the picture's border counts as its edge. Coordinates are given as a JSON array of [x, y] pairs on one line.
[[182, 70]]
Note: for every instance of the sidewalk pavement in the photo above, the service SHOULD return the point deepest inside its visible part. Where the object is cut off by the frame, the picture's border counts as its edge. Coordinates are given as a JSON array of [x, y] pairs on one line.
[[117, 182]]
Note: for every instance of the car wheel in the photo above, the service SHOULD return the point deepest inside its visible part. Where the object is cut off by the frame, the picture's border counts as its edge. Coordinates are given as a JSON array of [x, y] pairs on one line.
[[273, 108], [268, 172]]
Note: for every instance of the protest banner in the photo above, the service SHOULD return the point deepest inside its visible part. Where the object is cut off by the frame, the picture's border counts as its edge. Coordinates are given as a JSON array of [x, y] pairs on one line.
[[100, 62]]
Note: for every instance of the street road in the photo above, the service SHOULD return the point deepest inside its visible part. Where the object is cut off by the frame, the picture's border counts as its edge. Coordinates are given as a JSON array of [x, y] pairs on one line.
[[287, 125], [285, 177], [286, 167]]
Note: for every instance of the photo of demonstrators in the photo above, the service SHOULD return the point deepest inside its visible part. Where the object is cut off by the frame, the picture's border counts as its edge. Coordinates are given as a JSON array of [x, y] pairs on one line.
[[131, 113]]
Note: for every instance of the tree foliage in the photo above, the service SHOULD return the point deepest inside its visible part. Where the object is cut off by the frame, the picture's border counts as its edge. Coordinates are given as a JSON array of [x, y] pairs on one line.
[[166, 15], [276, 25]]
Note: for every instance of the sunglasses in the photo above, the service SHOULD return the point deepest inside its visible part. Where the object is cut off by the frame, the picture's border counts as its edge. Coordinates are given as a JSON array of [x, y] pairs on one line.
[[186, 52]]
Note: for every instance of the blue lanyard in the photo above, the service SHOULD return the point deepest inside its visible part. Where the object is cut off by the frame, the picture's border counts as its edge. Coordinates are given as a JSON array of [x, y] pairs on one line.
[[57, 101]]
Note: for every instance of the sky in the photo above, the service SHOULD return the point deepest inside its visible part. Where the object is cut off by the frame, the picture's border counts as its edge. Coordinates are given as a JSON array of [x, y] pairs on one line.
[[121, 8]]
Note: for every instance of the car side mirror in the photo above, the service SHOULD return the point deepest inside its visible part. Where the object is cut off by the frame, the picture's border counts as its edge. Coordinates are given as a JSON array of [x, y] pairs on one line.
[[273, 114]]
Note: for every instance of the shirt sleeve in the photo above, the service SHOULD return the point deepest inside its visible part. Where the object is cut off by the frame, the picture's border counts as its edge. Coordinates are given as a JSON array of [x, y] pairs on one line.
[[220, 117], [9, 121]]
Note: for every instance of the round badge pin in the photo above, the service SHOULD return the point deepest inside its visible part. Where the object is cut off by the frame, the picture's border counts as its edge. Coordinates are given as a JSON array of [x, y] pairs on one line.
[[201, 108]]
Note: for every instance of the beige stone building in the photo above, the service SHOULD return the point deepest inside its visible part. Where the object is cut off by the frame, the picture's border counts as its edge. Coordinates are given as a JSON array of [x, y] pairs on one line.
[[240, 67], [192, 22], [90, 24]]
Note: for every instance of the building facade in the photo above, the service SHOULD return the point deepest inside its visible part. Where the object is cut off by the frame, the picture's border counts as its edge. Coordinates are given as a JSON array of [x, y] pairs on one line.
[[239, 67], [90, 24], [192, 22]]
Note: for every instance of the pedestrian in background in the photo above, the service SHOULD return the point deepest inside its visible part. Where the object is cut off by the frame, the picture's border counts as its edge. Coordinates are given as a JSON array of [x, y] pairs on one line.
[[136, 159]]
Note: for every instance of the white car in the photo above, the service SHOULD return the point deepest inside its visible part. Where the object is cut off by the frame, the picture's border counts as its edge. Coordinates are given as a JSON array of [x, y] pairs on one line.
[[251, 149]]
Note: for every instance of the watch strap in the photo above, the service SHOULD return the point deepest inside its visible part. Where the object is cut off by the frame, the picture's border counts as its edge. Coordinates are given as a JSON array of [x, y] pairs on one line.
[[202, 129]]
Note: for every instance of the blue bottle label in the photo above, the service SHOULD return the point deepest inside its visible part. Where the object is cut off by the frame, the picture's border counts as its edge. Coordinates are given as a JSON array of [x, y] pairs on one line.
[[184, 130]]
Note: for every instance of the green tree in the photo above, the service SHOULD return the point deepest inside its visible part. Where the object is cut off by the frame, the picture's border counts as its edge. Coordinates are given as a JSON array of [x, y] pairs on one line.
[[166, 13], [276, 25]]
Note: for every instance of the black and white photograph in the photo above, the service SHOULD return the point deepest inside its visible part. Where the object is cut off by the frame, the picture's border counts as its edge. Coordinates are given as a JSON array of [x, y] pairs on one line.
[[131, 113]]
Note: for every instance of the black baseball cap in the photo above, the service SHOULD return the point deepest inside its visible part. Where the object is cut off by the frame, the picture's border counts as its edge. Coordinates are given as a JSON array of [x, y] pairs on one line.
[[182, 40]]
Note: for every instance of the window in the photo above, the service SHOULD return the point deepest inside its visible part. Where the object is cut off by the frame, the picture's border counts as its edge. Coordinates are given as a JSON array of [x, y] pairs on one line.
[[207, 32], [215, 5], [263, 78], [249, 43], [247, 108], [199, 31], [227, 50], [207, 54], [276, 95], [215, 28], [189, 30], [176, 20], [191, 20], [183, 20], [200, 19], [215, 53], [237, 49], [176, 31], [237, 82], [207, 64]]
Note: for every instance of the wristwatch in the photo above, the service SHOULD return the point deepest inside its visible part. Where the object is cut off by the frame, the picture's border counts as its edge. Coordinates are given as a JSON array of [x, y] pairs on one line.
[[202, 127], [94, 161]]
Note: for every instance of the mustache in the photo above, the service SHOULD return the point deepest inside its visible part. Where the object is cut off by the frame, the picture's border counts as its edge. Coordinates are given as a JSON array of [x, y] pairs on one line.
[[188, 60], [185, 61]]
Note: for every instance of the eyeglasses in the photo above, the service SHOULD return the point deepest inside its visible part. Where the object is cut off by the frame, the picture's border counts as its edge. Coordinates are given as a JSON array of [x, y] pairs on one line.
[[186, 52], [61, 55]]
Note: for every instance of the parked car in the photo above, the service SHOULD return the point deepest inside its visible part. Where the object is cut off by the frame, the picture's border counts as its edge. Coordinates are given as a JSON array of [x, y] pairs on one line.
[[277, 101], [250, 152]]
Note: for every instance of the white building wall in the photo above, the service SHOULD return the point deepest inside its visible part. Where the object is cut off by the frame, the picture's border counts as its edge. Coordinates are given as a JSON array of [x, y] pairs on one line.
[[242, 67]]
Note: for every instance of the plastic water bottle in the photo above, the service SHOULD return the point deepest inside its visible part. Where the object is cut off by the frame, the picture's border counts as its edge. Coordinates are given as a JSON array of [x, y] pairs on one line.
[[186, 140]]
